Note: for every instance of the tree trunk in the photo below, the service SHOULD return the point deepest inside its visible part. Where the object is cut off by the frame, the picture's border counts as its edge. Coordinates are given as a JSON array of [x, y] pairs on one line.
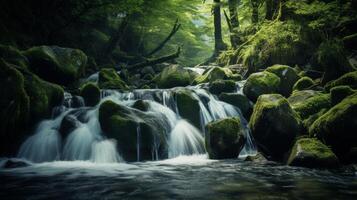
[[234, 22], [255, 11], [219, 44]]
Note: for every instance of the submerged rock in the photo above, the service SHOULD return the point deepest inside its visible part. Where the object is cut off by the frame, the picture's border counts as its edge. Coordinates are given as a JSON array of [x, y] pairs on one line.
[[303, 83], [91, 94], [217, 73], [174, 76], [15, 163], [238, 100], [225, 138], [261, 83], [188, 107], [57, 64], [309, 102], [109, 79], [219, 86], [288, 77], [310, 152], [337, 127], [274, 125]]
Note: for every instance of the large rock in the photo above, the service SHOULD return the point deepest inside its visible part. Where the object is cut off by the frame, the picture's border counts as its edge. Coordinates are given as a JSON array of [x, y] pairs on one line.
[[225, 138], [337, 127], [188, 107], [238, 100], [12, 55], [217, 73], [261, 83], [310, 152], [349, 79], [174, 76], [274, 125], [109, 79], [338, 93], [309, 102], [303, 83], [288, 77], [56, 64], [131, 129], [91, 94], [219, 86]]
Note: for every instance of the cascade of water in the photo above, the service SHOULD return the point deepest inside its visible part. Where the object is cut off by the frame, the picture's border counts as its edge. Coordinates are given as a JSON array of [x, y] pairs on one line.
[[138, 143], [105, 152]]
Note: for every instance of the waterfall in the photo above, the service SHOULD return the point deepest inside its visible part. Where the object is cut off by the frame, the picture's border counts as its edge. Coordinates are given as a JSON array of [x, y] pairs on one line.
[[87, 141]]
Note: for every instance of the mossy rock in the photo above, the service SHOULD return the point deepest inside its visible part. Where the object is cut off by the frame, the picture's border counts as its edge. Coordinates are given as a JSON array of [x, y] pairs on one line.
[[15, 108], [261, 83], [311, 119], [188, 107], [311, 153], [274, 125], [130, 128], [217, 73], [338, 93], [90, 93], [174, 76], [238, 100], [303, 83], [288, 77], [225, 138], [141, 105], [337, 127], [349, 79], [108, 78], [332, 57], [219, 86], [12, 55], [307, 102], [56, 64]]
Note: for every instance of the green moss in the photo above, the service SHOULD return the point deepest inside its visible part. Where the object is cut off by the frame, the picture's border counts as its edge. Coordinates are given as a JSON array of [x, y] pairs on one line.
[[56, 64], [217, 73], [288, 77], [188, 107], [337, 127], [238, 100], [174, 76], [312, 118], [261, 83], [225, 138], [309, 152], [332, 57], [306, 104], [219, 86], [303, 83], [12, 55], [90, 93], [141, 105], [338, 93], [349, 79], [274, 124], [109, 79]]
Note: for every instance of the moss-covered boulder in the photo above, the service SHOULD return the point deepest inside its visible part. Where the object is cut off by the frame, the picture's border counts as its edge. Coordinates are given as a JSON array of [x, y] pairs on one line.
[[141, 105], [303, 83], [15, 108], [108, 78], [349, 79], [219, 86], [12, 55], [261, 83], [90, 93], [274, 125], [308, 102], [217, 73], [131, 129], [310, 152], [174, 76], [338, 93], [188, 107], [337, 127], [238, 100], [288, 77], [225, 138], [332, 57], [57, 64]]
